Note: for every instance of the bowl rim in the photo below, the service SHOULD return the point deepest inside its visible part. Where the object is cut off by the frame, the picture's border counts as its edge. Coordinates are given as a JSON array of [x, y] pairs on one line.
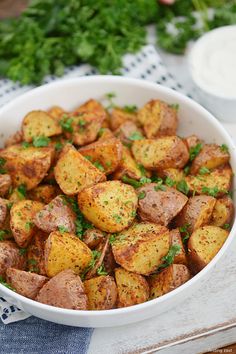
[[143, 84]]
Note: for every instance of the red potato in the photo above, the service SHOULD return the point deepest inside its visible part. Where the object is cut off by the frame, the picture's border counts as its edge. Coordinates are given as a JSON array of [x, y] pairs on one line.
[[223, 212], [120, 116], [13, 139], [93, 237], [176, 239], [25, 283], [3, 211], [64, 290], [5, 184], [192, 141], [56, 214], [10, 256], [127, 132], [159, 206], [35, 253]]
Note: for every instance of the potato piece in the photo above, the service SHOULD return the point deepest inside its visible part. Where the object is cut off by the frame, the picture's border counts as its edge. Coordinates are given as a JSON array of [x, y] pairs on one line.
[[91, 106], [65, 290], [16, 196], [92, 237], [128, 132], [65, 251], [101, 292], [216, 183], [27, 166], [14, 139], [10, 256], [157, 119], [120, 116], [39, 123], [73, 172], [106, 155], [25, 283], [3, 211], [109, 206], [43, 193], [174, 174], [176, 239], [104, 134], [22, 221], [57, 214], [192, 141], [169, 279], [56, 112], [211, 156], [35, 253], [5, 184], [159, 206], [165, 152], [132, 288], [223, 212], [196, 213], [127, 167], [204, 244], [140, 249]]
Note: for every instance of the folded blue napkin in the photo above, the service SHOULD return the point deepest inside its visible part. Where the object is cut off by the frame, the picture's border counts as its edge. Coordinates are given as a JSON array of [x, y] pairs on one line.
[[20, 333]]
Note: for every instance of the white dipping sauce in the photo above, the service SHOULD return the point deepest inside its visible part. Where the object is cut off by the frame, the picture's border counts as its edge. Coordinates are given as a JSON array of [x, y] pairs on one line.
[[213, 62]]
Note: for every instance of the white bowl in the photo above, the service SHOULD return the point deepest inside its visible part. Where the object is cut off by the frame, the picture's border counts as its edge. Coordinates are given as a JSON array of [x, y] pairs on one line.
[[69, 94], [212, 54]]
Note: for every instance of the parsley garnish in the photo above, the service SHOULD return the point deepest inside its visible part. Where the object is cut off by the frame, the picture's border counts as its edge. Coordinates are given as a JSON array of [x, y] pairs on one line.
[[58, 146], [175, 106], [28, 225], [136, 136], [182, 187], [169, 182], [226, 226], [109, 96], [186, 170], [25, 144], [142, 195], [169, 258], [62, 228], [142, 170], [117, 218], [133, 182], [211, 191], [66, 123], [21, 190], [101, 270], [224, 148], [184, 230], [100, 132], [22, 251], [194, 151], [3, 233], [40, 141], [3, 282], [204, 170], [98, 165], [2, 163], [130, 108]]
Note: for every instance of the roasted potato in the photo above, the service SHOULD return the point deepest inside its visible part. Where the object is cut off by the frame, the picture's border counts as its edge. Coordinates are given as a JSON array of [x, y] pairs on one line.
[[223, 212], [39, 123], [14, 139], [101, 292], [157, 119], [162, 153], [27, 166], [104, 134], [196, 213], [175, 174], [57, 214], [105, 155], [216, 183], [25, 283], [56, 112], [128, 132], [5, 184], [176, 239], [65, 290], [35, 253], [92, 237], [167, 280], [191, 141], [120, 116], [159, 206], [73, 172], [92, 106], [204, 244], [22, 221], [16, 196], [127, 167], [10, 256], [109, 206], [140, 249], [43, 193], [65, 251], [3, 211], [132, 288], [210, 157]]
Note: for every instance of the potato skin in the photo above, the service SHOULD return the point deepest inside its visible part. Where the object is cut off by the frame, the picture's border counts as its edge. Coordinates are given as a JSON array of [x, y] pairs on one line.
[[162, 153], [65, 290], [223, 212], [56, 112], [73, 172], [157, 119], [27, 166], [211, 156], [35, 253], [55, 214], [22, 221], [105, 134], [43, 193], [39, 123], [105, 205], [204, 244], [25, 283], [10, 257], [167, 280], [5, 184], [140, 249], [176, 239], [126, 131], [175, 174], [93, 237], [119, 116], [132, 288], [101, 292], [65, 251], [160, 206], [219, 178], [107, 153], [3, 211], [192, 141], [196, 213], [14, 139], [127, 167]]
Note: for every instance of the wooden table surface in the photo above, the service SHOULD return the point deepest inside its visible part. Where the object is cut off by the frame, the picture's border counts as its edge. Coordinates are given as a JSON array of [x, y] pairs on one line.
[[12, 8]]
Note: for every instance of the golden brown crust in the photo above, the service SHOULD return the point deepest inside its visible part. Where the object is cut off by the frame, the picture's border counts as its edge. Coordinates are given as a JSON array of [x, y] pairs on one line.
[[10, 256], [119, 116], [223, 212], [5, 184]]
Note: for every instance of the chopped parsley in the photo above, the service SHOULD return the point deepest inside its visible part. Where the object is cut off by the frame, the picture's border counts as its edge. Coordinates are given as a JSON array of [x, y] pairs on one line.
[[204, 170], [21, 190], [194, 151], [101, 270], [32, 261], [2, 163], [3, 282], [41, 141], [29, 225], [100, 132], [117, 218], [25, 144], [142, 169], [9, 205], [182, 187], [62, 228], [133, 182], [184, 230], [22, 251], [95, 257], [3, 233], [110, 96], [159, 186], [98, 165], [226, 226], [169, 182], [169, 258], [175, 106], [112, 238], [224, 148], [130, 108], [142, 195], [136, 136], [186, 170], [213, 192], [66, 124], [58, 146]]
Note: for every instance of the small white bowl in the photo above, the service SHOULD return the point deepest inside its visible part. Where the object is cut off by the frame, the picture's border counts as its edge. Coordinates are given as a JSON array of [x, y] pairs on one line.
[[212, 65], [194, 119]]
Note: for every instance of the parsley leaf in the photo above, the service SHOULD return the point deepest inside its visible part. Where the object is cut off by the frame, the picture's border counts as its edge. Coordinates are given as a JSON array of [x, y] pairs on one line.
[[2, 163], [66, 124], [101, 270], [62, 228], [169, 258], [204, 170], [136, 136], [130, 108], [194, 151], [210, 191], [40, 141], [3, 233], [142, 195], [182, 187], [3, 282], [224, 148], [21, 190], [184, 230], [169, 182], [133, 182]]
